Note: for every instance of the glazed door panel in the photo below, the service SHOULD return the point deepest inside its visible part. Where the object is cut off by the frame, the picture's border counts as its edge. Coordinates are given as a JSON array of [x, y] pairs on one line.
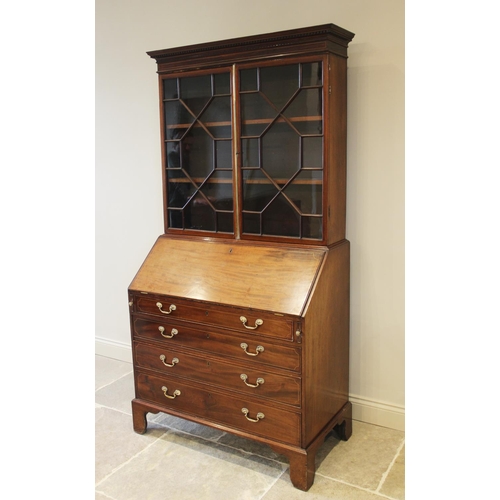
[[198, 137], [281, 150]]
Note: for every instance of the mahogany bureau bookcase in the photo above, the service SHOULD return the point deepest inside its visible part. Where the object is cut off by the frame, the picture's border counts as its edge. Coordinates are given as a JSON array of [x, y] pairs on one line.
[[240, 313]]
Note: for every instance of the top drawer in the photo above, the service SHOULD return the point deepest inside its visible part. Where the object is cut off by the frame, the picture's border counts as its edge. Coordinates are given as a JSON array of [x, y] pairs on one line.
[[239, 320]]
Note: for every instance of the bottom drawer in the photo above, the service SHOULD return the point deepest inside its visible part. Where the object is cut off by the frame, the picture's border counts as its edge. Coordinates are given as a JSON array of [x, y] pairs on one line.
[[260, 419]]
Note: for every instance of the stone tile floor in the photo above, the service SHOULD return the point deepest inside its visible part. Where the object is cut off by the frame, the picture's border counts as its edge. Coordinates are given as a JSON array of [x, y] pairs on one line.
[[178, 459]]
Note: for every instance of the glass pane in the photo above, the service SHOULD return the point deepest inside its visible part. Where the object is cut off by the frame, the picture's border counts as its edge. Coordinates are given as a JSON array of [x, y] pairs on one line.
[[180, 189], [222, 83], [306, 103], [258, 190], [312, 227], [248, 79], [219, 189], [197, 154], [224, 222], [281, 219], [306, 111], [175, 219], [199, 214], [312, 152], [223, 154], [312, 74], [170, 90], [196, 91], [217, 117], [251, 223], [306, 191], [173, 152], [256, 114], [308, 126], [177, 119], [250, 153], [280, 151], [279, 83]]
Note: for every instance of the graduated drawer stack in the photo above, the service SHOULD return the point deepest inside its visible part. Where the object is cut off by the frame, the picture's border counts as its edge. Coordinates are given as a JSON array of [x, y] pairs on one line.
[[226, 366]]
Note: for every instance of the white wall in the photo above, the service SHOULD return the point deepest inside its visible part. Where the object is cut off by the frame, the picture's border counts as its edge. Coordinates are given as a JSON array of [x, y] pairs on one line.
[[128, 169]]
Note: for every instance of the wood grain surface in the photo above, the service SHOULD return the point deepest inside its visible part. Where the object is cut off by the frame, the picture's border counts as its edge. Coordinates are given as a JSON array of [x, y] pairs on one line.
[[269, 278]]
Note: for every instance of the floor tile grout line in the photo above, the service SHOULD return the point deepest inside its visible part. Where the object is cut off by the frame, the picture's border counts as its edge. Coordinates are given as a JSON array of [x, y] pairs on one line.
[[104, 494], [368, 490], [126, 462], [386, 473], [273, 483], [99, 405], [113, 381]]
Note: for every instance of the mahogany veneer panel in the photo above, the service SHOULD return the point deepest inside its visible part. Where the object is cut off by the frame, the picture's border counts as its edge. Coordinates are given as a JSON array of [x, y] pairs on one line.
[[232, 273], [274, 325], [214, 341], [213, 371]]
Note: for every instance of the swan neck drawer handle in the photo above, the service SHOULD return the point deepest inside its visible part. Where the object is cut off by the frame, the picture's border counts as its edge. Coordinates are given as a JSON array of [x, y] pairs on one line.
[[259, 381], [176, 393], [260, 415], [258, 349], [171, 308], [174, 361], [172, 333], [258, 322]]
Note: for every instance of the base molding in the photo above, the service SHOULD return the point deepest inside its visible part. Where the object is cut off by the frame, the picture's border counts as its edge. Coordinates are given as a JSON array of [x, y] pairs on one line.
[[113, 349], [363, 409], [377, 412]]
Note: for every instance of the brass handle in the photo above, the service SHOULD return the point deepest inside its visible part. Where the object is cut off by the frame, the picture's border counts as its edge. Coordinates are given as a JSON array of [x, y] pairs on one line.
[[172, 307], [257, 350], [260, 415], [172, 333], [174, 361], [176, 393], [259, 381], [258, 322]]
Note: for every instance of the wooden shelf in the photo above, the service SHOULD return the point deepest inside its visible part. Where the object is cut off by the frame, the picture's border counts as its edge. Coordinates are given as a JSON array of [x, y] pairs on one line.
[[208, 124], [250, 122]]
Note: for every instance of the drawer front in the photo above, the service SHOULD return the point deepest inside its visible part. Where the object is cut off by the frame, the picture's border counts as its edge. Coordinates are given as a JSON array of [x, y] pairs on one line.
[[209, 339], [252, 381], [239, 320], [277, 424]]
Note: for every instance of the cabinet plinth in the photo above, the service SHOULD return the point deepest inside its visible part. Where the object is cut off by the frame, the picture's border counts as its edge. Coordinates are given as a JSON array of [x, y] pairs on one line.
[[240, 312]]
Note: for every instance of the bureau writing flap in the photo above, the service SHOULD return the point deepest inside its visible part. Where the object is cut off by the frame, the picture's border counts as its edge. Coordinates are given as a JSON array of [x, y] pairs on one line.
[[269, 278]]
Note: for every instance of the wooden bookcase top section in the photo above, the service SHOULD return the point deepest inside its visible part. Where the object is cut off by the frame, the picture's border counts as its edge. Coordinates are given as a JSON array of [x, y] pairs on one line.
[[268, 278], [326, 38]]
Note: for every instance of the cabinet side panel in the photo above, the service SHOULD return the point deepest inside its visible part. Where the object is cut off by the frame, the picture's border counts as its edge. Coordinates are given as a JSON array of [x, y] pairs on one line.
[[336, 148], [326, 343]]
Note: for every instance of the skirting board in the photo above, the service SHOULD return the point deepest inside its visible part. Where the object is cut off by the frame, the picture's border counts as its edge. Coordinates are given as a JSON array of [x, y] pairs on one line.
[[113, 349], [363, 409], [377, 412]]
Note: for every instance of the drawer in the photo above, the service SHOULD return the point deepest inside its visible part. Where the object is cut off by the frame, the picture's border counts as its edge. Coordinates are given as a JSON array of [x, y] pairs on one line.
[[212, 371], [219, 342], [270, 422], [240, 320]]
